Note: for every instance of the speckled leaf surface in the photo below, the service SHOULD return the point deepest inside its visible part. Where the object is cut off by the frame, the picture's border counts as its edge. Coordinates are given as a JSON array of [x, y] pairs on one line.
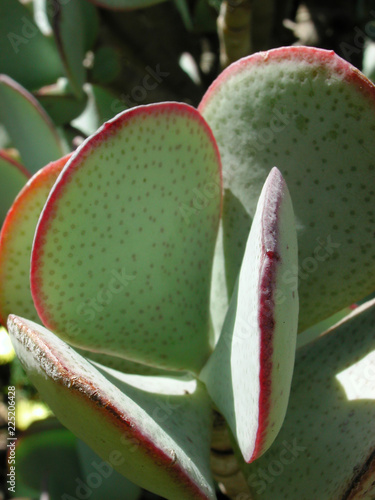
[[16, 239], [313, 115], [325, 449], [122, 254], [28, 125], [13, 177], [249, 374], [155, 431]]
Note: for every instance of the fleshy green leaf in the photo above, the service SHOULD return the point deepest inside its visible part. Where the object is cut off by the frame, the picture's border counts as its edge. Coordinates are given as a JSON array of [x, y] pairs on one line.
[[28, 125], [155, 431], [122, 254], [107, 65], [325, 449], [41, 457], [46, 449], [13, 177], [313, 115], [16, 240], [15, 249], [68, 19], [24, 51], [45, 12], [250, 372], [60, 103]]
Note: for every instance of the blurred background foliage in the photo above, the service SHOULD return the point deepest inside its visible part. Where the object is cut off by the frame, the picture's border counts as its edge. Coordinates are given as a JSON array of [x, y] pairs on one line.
[[83, 62]]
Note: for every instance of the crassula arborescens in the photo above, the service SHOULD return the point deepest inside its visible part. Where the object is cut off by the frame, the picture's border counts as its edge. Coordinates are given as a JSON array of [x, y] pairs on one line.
[[121, 266]]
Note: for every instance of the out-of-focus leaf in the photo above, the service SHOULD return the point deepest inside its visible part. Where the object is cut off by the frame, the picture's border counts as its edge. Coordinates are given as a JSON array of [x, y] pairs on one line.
[[25, 54], [46, 10], [48, 462], [68, 19], [102, 105], [13, 177], [107, 64], [60, 102], [28, 125], [183, 8], [125, 4]]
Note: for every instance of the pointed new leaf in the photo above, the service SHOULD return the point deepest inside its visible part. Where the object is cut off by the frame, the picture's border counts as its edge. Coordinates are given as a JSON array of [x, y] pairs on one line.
[[16, 239], [123, 250], [154, 430], [13, 177], [249, 374], [312, 114], [28, 125], [326, 447]]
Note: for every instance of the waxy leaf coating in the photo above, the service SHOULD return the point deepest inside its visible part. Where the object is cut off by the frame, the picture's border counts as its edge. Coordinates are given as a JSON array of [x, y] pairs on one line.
[[326, 447], [16, 239], [249, 374], [153, 430], [123, 251], [312, 114]]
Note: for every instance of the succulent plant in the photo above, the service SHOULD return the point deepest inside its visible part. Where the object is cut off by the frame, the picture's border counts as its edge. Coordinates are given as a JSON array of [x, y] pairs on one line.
[[167, 256]]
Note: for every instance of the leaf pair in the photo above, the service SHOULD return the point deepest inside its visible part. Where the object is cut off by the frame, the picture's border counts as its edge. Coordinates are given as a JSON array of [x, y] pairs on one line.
[[167, 154]]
